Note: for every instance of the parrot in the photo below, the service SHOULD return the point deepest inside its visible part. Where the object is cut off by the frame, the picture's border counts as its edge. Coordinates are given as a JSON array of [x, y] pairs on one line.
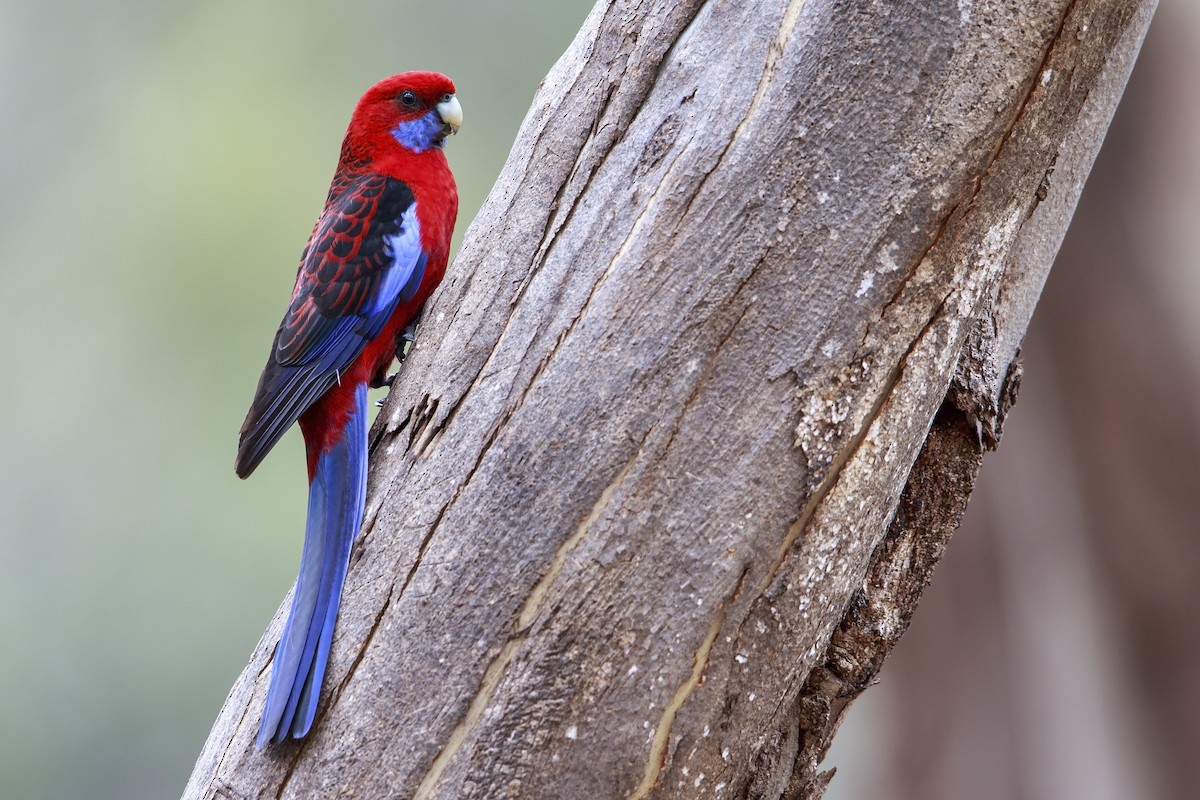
[[377, 251]]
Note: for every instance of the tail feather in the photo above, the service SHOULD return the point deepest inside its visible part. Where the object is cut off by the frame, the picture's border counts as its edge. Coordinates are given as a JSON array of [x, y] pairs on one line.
[[336, 496]]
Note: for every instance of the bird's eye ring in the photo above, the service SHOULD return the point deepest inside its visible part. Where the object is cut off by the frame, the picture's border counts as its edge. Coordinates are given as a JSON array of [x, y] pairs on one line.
[[409, 98], [446, 97]]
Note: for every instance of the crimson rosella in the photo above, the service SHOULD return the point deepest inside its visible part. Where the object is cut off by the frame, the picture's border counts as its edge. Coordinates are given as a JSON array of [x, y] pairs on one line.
[[378, 249]]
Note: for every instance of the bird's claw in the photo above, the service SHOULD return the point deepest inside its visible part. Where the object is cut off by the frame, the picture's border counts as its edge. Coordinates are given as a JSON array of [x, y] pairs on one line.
[[386, 382], [404, 346], [408, 336]]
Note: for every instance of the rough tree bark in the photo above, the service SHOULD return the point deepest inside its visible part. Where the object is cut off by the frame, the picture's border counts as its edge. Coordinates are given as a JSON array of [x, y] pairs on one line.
[[701, 401]]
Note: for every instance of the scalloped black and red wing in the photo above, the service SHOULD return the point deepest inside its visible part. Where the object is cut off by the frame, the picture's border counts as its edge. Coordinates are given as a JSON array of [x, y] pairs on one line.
[[364, 257]]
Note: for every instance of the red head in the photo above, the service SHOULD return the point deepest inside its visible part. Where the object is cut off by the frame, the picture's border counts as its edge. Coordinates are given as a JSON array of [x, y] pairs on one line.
[[412, 111]]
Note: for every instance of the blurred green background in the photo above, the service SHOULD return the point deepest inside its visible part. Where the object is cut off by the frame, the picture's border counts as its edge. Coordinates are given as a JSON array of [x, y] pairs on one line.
[[162, 165]]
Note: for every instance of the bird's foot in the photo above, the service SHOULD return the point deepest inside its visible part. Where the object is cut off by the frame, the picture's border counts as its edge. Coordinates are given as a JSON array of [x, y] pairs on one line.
[[404, 346], [404, 342]]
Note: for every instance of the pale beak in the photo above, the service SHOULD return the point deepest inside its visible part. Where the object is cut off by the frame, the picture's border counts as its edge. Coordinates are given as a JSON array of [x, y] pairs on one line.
[[451, 113]]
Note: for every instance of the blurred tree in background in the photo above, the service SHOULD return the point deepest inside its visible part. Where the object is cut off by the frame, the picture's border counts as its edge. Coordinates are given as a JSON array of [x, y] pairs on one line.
[[162, 166]]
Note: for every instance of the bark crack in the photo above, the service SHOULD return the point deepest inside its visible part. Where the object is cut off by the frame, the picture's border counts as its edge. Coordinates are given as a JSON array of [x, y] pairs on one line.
[[392, 592], [837, 467], [662, 732], [241, 719], [362, 650], [553, 226], [848, 453], [712, 361], [291, 769], [562, 337], [529, 611], [1034, 85], [787, 26]]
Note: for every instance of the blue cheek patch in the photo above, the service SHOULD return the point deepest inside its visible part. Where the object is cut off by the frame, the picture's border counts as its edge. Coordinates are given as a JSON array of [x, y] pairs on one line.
[[418, 134]]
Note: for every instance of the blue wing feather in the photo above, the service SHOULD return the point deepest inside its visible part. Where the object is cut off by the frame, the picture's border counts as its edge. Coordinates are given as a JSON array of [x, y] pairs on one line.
[[405, 250], [364, 257]]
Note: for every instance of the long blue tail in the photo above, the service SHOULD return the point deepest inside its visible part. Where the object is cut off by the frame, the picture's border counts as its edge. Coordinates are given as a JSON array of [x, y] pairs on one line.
[[336, 496]]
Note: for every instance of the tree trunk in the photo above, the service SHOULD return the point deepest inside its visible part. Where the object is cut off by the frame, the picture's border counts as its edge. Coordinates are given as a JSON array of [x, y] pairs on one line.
[[683, 434]]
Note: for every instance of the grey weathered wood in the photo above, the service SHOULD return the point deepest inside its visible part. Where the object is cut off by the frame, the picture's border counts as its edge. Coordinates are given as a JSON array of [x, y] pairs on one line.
[[661, 413]]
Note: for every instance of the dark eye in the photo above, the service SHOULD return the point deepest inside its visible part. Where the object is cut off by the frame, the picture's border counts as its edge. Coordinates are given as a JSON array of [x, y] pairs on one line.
[[446, 97], [409, 99]]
